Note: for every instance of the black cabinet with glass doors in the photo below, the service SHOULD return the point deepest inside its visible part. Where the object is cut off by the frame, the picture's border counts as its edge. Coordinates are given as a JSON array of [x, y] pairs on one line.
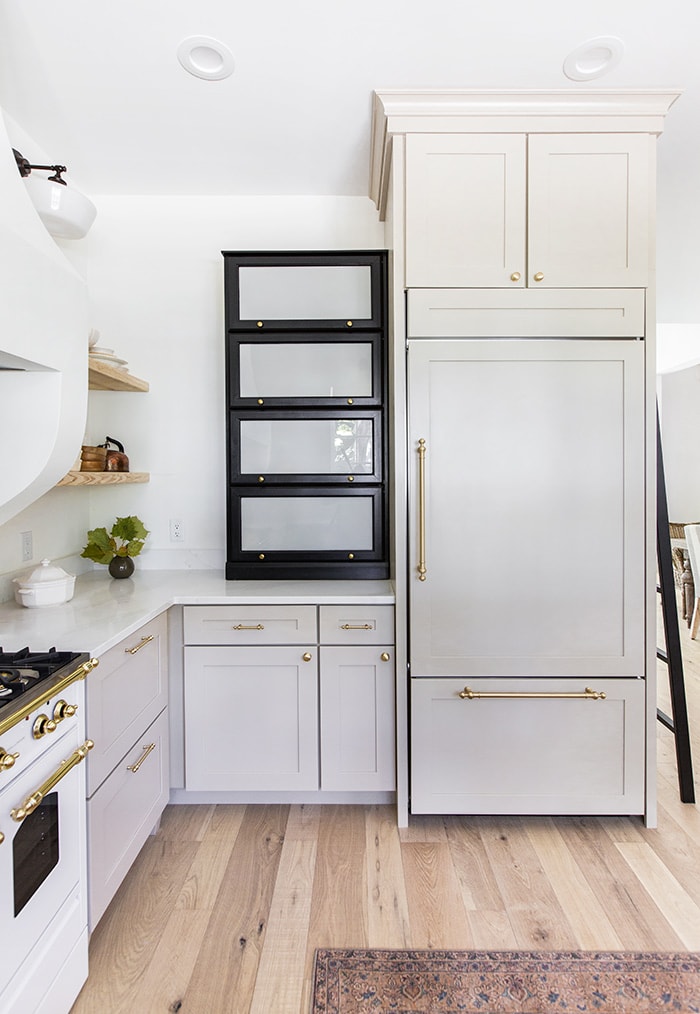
[[306, 419]]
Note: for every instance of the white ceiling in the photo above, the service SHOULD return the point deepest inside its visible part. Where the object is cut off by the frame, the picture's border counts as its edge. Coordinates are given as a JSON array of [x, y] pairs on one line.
[[100, 86]]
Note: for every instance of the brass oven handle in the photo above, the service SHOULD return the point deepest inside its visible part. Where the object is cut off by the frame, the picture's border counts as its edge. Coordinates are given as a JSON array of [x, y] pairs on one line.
[[142, 644], [357, 626], [421, 510], [31, 802], [588, 695], [146, 750], [26, 709], [242, 626]]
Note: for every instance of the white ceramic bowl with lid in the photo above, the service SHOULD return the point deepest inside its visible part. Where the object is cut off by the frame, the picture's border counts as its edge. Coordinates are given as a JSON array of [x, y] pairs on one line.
[[46, 585]]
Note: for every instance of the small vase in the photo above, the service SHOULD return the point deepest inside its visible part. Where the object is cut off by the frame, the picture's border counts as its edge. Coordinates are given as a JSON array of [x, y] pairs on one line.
[[121, 566]]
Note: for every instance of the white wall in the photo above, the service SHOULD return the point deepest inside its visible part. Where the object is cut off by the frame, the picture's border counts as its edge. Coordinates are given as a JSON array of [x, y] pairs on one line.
[[155, 282]]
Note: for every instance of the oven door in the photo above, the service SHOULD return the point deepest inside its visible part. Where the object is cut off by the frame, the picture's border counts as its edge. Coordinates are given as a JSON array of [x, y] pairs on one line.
[[42, 853]]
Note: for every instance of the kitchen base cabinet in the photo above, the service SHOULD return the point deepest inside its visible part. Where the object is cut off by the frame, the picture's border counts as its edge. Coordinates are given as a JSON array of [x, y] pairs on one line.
[[251, 717], [538, 746], [289, 703], [357, 718], [125, 797], [123, 812]]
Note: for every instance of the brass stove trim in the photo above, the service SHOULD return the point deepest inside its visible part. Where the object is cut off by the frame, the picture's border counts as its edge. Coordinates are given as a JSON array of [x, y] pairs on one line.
[[48, 689]]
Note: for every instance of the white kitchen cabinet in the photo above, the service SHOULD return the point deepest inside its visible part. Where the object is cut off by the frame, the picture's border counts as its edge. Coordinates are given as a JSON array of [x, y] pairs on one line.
[[123, 812], [517, 209], [527, 746], [357, 695], [251, 717], [289, 699], [127, 720]]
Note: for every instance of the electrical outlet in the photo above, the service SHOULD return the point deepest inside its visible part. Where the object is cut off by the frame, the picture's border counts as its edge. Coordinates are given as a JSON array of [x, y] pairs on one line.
[[27, 547], [176, 532]]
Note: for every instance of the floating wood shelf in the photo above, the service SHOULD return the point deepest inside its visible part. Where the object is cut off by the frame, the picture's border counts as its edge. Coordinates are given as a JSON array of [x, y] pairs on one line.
[[103, 377], [75, 478]]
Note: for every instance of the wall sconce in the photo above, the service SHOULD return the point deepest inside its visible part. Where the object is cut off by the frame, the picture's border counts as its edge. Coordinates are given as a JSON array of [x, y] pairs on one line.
[[65, 212]]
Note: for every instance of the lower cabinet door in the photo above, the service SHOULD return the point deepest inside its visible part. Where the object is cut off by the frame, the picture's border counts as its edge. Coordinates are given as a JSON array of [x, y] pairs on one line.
[[553, 746], [123, 812], [251, 718], [357, 718]]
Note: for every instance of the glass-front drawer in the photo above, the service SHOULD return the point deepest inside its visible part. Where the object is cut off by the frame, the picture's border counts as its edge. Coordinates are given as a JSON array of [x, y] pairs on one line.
[[306, 369], [313, 447], [277, 290], [317, 532]]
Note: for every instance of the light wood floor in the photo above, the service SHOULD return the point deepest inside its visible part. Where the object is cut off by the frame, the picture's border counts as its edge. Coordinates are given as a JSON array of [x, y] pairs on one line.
[[224, 907]]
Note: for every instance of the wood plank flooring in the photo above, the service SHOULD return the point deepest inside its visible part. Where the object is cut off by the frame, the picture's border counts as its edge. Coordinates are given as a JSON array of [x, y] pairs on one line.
[[224, 907]]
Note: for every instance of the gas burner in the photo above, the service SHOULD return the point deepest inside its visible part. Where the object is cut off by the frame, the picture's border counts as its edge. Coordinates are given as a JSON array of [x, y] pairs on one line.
[[23, 672]]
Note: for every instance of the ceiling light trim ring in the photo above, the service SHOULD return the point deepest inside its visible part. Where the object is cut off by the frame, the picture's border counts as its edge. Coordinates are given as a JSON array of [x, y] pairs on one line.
[[205, 58], [594, 58]]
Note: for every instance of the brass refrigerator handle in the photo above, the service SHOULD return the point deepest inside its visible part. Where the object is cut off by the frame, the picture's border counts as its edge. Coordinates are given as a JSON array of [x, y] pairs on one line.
[[588, 695], [31, 802], [421, 510]]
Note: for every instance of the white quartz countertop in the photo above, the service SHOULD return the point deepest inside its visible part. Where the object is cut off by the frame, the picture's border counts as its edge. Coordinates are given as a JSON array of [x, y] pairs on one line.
[[104, 610]]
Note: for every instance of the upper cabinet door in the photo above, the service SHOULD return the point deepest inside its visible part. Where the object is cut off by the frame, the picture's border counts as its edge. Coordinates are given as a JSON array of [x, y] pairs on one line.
[[588, 210], [465, 210], [278, 292], [544, 210]]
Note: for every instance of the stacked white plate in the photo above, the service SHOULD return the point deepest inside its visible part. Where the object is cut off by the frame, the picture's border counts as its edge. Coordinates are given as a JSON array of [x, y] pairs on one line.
[[107, 356]]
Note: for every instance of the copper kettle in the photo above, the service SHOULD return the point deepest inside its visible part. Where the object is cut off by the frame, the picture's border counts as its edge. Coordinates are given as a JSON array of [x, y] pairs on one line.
[[116, 460]]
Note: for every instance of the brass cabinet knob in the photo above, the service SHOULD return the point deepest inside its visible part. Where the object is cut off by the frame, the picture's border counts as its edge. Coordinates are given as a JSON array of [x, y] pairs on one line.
[[43, 725], [351, 478], [515, 277], [538, 276], [7, 760], [350, 401], [261, 401], [259, 323], [2, 837], [261, 478], [385, 656], [64, 710], [349, 323], [306, 656]]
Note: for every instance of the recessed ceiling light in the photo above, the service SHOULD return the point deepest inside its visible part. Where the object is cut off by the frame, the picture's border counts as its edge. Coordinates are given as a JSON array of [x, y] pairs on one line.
[[206, 58], [594, 58]]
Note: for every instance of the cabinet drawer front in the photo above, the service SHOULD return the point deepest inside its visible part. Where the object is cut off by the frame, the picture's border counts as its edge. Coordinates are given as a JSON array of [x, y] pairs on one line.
[[123, 812], [526, 754], [513, 313], [357, 624], [125, 693], [249, 624]]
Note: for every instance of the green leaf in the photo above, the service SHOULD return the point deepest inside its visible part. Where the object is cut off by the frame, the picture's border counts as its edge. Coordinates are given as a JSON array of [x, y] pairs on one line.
[[129, 529], [100, 548]]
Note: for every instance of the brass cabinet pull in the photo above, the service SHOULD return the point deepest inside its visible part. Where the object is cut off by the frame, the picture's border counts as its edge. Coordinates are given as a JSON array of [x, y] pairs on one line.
[[421, 510], [538, 276], [588, 695], [515, 277], [142, 644], [306, 656], [385, 656], [146, 750], [357, 626], [31, 802], [242, 626]]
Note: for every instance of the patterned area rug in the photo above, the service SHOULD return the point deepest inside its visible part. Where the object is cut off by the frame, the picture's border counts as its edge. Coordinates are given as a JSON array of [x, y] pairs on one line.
[[504, 982]]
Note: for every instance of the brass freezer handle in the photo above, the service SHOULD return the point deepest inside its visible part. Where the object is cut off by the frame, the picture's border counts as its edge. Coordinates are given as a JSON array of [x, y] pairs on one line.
[[142, 644], [588, 695], [242, 626], [146, 750], [421, 510], [31, 802]]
